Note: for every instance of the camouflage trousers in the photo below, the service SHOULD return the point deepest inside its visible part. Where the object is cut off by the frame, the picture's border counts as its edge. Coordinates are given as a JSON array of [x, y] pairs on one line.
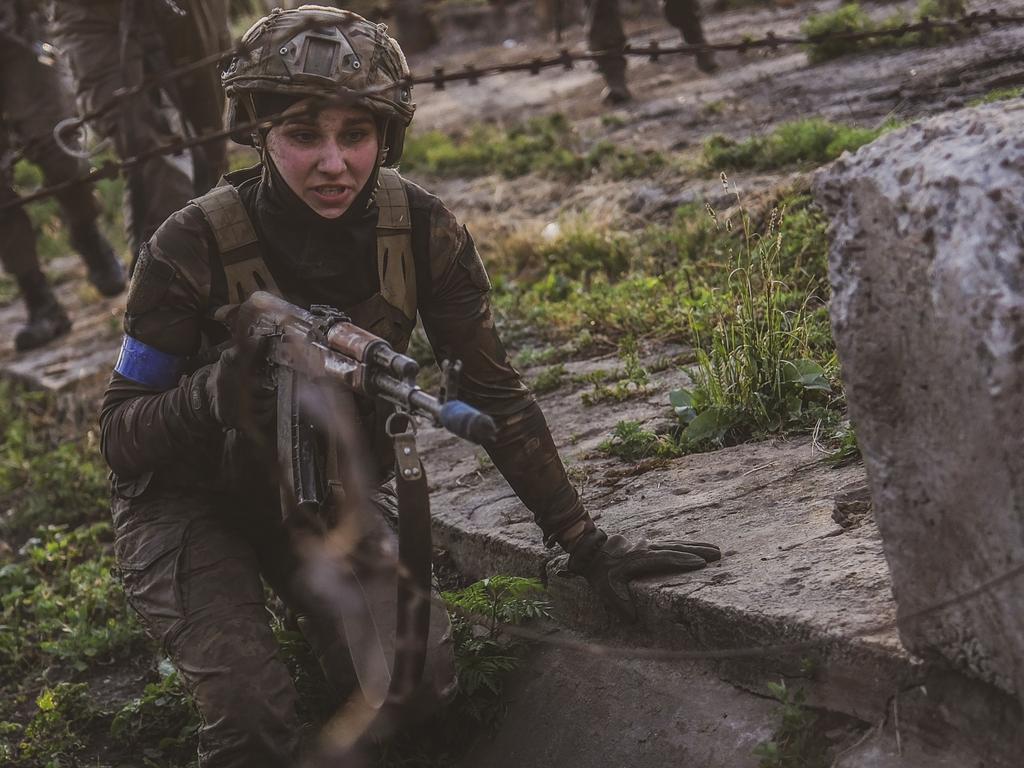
[[193, 566], [604, 30], [32, 101], [109, 45]]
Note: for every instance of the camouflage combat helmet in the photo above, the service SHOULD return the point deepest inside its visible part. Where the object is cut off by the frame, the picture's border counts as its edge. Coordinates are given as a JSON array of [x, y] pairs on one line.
[[315, 50]]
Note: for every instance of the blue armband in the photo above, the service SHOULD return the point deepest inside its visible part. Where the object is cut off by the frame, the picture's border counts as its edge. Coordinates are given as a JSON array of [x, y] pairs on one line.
[[148, 366]]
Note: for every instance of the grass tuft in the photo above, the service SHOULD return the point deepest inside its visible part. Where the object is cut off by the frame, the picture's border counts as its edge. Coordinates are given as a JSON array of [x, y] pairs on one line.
[[807, 142], [548, 146], [850, 18]]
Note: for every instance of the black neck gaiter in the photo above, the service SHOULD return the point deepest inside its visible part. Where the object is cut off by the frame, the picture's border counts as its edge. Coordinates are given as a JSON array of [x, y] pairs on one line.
[[317, 260]]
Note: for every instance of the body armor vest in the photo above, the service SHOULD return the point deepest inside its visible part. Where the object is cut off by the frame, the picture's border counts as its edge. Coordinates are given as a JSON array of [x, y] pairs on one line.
[[390, 313]]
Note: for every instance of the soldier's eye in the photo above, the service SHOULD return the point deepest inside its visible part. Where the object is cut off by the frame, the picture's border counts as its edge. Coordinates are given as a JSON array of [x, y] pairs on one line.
[[302, 137], [355, 136]]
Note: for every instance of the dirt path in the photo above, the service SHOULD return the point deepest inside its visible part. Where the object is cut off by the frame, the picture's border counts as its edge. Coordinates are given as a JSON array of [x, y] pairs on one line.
[[676, 106]]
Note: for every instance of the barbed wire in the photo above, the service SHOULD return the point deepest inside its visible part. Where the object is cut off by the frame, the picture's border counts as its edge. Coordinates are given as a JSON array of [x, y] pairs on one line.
[[653, 50], [471, 75]]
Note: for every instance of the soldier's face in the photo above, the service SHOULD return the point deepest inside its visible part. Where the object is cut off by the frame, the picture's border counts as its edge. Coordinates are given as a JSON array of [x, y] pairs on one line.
[[325, 158]]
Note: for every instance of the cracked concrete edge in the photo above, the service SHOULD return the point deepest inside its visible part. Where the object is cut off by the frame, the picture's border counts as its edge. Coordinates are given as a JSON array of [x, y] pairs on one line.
[[860, 676]]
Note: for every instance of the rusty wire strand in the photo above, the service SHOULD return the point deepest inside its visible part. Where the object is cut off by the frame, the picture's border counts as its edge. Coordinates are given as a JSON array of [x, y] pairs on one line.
[[471, 75]]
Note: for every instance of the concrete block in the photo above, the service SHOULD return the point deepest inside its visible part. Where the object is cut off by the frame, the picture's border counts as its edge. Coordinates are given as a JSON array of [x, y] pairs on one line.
[[927, 272]]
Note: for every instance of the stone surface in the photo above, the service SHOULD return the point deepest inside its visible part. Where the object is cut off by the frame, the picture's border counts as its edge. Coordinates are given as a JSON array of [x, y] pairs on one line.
[[75, 366], [790, 574], [927, 269], [570, 707]]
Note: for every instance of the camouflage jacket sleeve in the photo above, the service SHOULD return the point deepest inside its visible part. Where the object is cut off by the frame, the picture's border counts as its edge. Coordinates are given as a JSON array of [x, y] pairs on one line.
[[144, 427], [457, 317]]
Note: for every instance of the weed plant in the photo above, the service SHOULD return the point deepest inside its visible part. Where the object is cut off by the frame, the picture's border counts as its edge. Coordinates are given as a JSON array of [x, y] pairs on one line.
[[549, 380], [797, 742], [484, 656], [633, 382], [629, 441], [756, 374]]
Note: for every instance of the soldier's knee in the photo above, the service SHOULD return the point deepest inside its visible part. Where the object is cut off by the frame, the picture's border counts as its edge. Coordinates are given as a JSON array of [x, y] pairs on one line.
[[249, 719]]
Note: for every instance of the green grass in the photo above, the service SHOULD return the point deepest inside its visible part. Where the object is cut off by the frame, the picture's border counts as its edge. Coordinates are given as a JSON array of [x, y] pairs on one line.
[[548, 146], [765, 363], [758, 372], [549, 380], [46, 474], [998, 94], [851, 18], [588, 291], [808, 142]]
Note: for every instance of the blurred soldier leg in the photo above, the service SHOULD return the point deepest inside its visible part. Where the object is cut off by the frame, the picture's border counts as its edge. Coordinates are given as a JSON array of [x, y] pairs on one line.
[[204, 31], [46, 318], [684, 15], [32, 102], [604, 33], [105, 55]]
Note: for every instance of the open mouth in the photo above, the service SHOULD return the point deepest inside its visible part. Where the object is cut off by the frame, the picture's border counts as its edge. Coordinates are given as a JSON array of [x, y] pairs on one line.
[[330, 192]]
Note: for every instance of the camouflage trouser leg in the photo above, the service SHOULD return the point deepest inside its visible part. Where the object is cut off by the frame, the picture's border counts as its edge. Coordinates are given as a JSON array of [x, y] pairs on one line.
[[195, 581], [193, 575], [684, 15], [604, 33], [204, 31], [89, 34], [32, 102]]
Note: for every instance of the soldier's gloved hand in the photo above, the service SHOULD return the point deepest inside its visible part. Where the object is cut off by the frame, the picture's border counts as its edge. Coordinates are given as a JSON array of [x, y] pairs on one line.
[[609, 563], [234, 390]]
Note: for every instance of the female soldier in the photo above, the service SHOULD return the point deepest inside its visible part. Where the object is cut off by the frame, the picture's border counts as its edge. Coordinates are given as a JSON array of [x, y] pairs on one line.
[[323, 219]]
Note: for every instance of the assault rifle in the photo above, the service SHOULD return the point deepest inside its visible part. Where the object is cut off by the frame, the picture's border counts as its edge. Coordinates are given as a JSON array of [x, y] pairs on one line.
[[317, 359]]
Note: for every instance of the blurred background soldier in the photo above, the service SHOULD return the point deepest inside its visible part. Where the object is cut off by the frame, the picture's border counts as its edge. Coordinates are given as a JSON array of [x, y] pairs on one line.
[[604, 33], [114, 44], [32, 102]]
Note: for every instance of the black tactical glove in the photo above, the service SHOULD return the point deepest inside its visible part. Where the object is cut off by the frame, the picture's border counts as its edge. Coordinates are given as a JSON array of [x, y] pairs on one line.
[[609, 563], [234, 391]]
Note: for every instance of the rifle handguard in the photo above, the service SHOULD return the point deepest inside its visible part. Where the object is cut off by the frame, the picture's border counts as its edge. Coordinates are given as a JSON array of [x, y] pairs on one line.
[[467, 422]]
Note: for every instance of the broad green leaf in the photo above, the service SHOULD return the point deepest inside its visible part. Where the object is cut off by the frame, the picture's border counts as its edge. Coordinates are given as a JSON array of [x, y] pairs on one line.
[[709, 425], [682, 404]]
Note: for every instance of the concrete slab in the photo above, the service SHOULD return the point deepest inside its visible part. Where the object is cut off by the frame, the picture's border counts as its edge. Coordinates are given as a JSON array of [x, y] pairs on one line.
[[790, 575]]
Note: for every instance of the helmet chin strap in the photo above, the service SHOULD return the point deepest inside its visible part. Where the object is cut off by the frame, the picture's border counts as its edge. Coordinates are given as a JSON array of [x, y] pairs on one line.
[[382, 138]]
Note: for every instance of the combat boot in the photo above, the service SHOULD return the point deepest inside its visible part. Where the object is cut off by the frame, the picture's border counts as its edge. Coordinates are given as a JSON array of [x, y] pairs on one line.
[[706, 62], [46, 317], [615, 91], [105, 270]]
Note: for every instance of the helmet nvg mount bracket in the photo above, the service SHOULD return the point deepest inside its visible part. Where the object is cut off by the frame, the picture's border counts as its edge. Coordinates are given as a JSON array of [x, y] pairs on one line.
[[319, 51]]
